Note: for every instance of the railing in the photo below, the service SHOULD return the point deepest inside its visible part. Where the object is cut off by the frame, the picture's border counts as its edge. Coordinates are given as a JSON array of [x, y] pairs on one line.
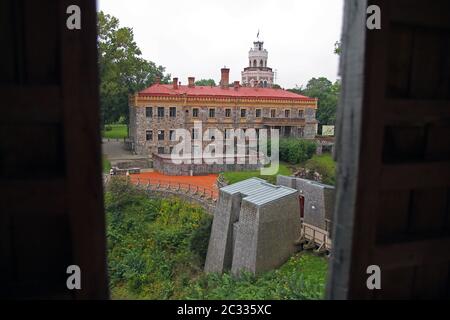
[[197, 191], [206, 197], [312, 236], [283, 120]]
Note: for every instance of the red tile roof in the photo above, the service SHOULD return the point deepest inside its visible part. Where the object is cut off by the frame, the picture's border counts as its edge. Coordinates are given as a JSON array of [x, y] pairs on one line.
[[207, 91]]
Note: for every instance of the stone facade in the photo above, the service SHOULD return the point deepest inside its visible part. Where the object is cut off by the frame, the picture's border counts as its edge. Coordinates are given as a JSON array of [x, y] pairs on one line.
[[254, 228], [151, 118], [318, 199]]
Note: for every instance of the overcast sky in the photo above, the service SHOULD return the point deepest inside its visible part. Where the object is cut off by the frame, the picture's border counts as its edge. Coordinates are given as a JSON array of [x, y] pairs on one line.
[[198, 37]]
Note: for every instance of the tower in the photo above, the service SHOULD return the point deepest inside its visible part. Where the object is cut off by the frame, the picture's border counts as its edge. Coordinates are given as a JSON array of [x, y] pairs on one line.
[[257, 74]]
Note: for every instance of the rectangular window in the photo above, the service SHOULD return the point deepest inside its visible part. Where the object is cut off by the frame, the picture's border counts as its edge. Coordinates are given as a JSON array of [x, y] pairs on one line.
[[212, 113], [173, 112], [161, 112], [170, 150], [273, 113], [258, 113], [243, 113], [287, 113], [161, 135], [149, 135], [149, 112], [195, 112], [172, 135], [301, 114], [228, 113], [161, 150]]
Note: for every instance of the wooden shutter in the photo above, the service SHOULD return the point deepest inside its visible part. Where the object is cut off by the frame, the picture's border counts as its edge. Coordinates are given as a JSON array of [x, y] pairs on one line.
[[393, 189], [51, 208]]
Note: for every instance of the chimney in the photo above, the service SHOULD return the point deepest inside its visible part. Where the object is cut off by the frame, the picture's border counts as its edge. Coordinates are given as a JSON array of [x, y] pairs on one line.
[[175, 83], [158, 80], [225, 79], [191, 82], [236, 85]]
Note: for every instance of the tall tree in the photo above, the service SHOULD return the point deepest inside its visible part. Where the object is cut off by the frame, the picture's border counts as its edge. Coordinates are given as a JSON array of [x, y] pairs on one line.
[[122, 69], [205, 82], [328, 95]]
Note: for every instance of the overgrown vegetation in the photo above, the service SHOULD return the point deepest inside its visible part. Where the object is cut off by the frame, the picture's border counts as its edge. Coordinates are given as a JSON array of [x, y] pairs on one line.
[[303, 277], [325, 166], [157, 248]]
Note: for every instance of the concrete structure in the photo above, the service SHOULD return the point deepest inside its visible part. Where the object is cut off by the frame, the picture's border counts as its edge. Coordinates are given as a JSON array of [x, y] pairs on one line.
[[200, 166], [254, 229], [160, 109], [257, 74], [316, 200]]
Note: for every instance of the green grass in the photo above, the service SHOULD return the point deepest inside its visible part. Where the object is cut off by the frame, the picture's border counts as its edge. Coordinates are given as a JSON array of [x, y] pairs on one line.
[[236, 176], [116, 131], [302, 277], [325, 165], [106, 164], [157, 248]]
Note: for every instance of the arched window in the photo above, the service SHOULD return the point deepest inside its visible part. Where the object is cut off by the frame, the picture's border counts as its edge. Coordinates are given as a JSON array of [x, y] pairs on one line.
[[254, 63], [261, 63], [249, 63], [265, 63], [265, 83]]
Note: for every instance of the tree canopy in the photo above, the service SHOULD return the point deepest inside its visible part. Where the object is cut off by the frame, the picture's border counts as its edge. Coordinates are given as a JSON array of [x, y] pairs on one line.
[[122, 69], [328, 95], [205, 82]]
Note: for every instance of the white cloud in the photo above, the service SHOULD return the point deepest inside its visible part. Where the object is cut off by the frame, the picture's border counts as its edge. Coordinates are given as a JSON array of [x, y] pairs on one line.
[[198, 37]]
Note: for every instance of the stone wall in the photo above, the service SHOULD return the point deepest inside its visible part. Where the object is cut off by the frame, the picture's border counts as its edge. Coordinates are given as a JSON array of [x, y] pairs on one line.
[[266, 235], [166, 166], [319, 199]]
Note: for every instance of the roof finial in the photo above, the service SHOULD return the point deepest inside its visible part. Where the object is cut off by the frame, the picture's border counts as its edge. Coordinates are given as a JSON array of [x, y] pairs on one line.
[[257, 35]]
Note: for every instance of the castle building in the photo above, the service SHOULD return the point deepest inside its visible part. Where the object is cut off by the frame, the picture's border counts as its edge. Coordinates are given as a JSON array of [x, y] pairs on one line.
[[257, 74], [156, 112]]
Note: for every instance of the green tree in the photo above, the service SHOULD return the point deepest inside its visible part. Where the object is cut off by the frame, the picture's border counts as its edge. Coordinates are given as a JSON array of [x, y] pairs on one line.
[[205, 82], [338, 48], [122, 69], [328, 95]]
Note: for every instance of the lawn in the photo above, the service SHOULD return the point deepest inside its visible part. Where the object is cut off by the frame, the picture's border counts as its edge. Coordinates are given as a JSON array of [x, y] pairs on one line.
[[115, 131], [236, 176]]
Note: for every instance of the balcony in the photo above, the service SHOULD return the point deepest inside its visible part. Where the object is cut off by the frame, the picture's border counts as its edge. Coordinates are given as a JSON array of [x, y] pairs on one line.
[[284, 121]]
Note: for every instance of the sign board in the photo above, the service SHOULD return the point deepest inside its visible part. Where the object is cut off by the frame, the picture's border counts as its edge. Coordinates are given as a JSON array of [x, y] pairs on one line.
[[328, 131]]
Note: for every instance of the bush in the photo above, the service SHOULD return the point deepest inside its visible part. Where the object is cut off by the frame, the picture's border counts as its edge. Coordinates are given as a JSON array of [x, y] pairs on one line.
[[325, 166], [296, 151]]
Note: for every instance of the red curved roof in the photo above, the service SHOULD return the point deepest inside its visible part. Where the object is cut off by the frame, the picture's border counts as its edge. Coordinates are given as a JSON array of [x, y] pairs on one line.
[[208, 91]]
